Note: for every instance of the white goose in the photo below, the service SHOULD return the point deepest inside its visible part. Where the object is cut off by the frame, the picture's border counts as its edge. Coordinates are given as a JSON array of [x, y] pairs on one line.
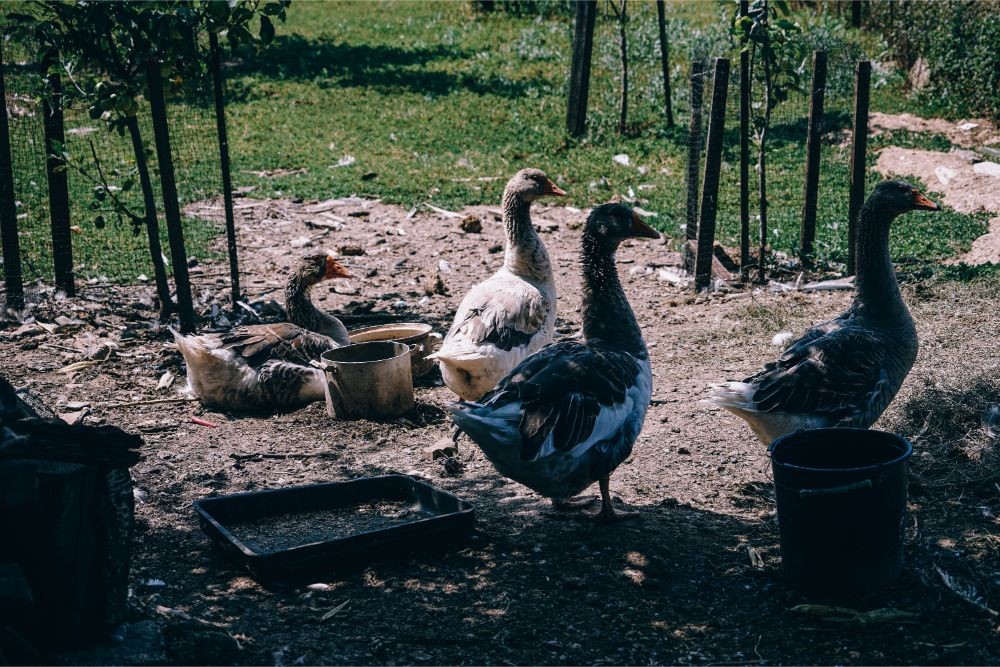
[[568, 415], [512, 314], [844, 372]]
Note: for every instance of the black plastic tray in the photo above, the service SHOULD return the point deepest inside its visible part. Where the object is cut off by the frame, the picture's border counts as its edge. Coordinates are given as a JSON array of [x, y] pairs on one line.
[[448, 520]]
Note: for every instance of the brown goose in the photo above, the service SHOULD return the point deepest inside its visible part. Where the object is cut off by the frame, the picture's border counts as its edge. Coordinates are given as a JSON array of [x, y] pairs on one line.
[[568, 415], [511, 314], [846, 371], [267, 366]]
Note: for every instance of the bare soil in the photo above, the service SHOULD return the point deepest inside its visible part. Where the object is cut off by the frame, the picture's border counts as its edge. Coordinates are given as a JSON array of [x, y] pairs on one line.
[[952, 174], [696, 579]]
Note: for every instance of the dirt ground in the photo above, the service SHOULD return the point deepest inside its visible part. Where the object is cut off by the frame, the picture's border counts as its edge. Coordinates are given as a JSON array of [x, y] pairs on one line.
[[677, 585]]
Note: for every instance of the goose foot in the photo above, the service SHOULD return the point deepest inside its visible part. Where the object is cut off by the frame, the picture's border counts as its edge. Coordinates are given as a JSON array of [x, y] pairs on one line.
[[608, 513], [571, 504]]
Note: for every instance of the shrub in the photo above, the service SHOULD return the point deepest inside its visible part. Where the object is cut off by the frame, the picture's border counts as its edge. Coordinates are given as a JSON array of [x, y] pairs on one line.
[[957, 40]]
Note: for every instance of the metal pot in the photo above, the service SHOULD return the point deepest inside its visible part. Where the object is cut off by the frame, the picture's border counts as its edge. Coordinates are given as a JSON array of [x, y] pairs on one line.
[[424, 339], [368, 380]]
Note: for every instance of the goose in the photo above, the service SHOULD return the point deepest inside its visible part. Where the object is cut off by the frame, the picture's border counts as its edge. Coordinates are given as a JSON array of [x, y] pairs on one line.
[[846, 371], [512, 314], [267, 366], [569, 414]]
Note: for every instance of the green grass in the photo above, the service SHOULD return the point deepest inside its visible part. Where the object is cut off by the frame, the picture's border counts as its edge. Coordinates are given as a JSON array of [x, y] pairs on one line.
[[429, 95]]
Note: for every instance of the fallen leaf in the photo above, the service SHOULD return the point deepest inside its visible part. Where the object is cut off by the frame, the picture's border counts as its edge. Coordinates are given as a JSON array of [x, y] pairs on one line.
[[755, 558], [77, 366], [166, 380], [336, 610]]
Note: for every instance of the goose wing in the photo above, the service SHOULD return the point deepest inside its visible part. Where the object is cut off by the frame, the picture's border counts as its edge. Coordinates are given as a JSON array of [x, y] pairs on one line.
[[570, 397], [835, 370], [502, 313], [259, 343]]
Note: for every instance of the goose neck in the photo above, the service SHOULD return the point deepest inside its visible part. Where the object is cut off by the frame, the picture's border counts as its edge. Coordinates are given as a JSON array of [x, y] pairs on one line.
[[525, 254], [302, 312], [877, 287], [607, 315]]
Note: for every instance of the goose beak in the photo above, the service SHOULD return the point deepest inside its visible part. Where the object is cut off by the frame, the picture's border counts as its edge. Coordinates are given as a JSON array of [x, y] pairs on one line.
[[335, 269], [640, 228], [921, 202], [553, 189]]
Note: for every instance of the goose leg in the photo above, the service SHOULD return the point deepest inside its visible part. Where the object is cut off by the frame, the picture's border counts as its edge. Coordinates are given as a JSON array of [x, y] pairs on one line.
[[570, 504], [608, 512], [455, 435]]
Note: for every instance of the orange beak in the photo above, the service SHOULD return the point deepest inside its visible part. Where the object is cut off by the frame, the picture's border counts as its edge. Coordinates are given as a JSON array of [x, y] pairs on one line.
[[921, 202], [335, 269], [640, 228], [553, 189]]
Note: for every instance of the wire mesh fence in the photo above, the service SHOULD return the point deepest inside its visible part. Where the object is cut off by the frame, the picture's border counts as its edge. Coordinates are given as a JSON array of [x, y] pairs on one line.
[[107, 248]]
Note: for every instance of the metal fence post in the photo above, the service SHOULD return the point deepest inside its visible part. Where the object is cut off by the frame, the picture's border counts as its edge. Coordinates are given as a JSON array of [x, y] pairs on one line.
[[227, 182], [713, 164], [661, 18]]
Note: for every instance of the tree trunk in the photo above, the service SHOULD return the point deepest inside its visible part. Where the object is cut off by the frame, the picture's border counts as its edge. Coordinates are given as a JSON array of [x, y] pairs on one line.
[[152, 225], [668, 107], [622, 39]]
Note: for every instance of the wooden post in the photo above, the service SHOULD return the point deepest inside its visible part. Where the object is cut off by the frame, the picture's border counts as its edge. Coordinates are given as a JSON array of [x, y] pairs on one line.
[[55, 169], [813, 144], [855, 13], [668, 107], [227, 181], [713, 164], [579, 78], [171, 207], [744, 156], [8, 209], [859, 147], [694, 149]]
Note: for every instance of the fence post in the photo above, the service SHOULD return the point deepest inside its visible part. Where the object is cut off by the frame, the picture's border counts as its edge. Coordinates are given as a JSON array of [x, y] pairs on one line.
[[661, 18], [855, 13], [744, 156], [579, 78], [8, 209], [713, 163], [227, 181], [171, 207], [694, 149], [55, 170], [859, 147], [813, 145]]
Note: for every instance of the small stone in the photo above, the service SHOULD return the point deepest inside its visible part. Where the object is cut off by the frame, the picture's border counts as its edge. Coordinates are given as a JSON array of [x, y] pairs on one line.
[[682, 450], [351, 250], [443, 447], [495, 248], [471, 224], [987, 169]]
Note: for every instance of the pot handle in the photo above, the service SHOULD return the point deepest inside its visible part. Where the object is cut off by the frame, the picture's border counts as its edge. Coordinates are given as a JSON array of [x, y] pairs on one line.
[[836, 490]]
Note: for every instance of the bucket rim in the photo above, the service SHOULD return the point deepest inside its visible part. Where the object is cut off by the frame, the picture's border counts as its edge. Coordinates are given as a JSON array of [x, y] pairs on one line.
[[906, 453], [323, 360], [423, 330]]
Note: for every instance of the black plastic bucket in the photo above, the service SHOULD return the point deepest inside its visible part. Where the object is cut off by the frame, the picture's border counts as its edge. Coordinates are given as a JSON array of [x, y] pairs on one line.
[[841, 495]]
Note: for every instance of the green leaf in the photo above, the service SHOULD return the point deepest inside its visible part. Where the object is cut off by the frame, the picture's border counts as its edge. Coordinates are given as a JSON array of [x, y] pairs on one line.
[[266, 30]]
